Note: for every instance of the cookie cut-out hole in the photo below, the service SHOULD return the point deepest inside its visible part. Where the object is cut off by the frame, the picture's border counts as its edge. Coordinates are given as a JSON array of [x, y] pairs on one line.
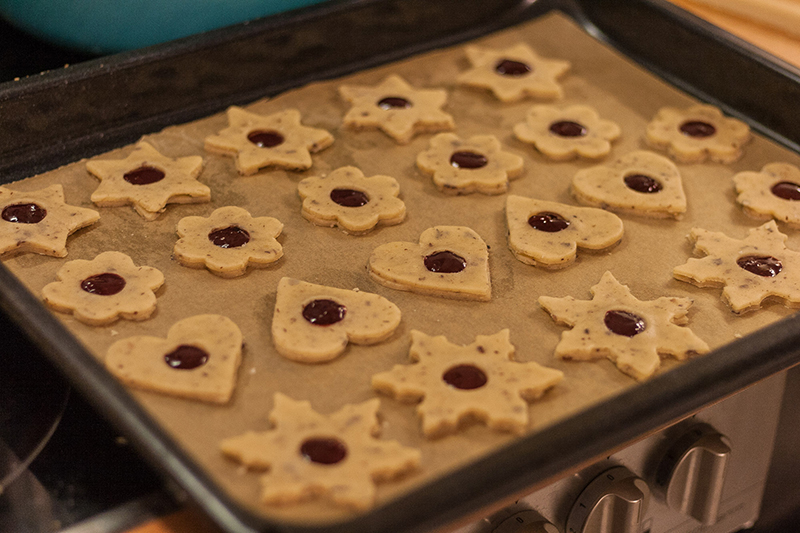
[[568, 128], [509, 67], [323, 450], [465, 159], [24, 213], [765, 266], [786, 190], [349, 197], [229, 237], [624, 323], [186, 357], [144, 175], [265, 139], [548, 222], [324, 312], [394, 102], [465, 377], [697, 129], [105, 284], [445, 262], [642, 183]]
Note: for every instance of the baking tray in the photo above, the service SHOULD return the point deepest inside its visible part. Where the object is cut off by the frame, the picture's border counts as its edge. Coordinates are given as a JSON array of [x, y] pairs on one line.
[[90, 108]]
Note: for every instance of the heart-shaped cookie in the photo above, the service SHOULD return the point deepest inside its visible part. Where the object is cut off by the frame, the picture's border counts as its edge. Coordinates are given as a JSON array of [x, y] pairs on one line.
[[198, 359], [449, 261], [313, 323]]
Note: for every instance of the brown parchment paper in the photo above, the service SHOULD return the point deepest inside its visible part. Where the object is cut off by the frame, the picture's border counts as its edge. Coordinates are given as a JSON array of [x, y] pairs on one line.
[[599, 77]]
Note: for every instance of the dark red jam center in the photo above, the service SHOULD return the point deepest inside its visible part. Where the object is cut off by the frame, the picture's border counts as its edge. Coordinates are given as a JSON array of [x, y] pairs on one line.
[[265, 139], [624, 323], [144, 175], [468, 160], [697, 128], [105, 284], [509, 67], [465, 377], [324, 312], [394, 102], [230, 237], [349, 197], [642, 183], [786, 190], [24, 213], [323, 450], [548, 222], [567, 128], [445, 262], [186, 357], [766, 266]]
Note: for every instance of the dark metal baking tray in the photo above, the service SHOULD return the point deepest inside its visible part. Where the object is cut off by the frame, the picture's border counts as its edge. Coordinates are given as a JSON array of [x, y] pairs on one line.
[[85, 109]]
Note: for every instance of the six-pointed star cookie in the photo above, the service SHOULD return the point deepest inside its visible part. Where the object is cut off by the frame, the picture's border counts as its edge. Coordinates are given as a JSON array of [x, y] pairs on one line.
[[480, 380], [630, 332], [148, 180], [772, 193], [751, 269], [258, 141], [39, 221], [311, 455], [396, 108]]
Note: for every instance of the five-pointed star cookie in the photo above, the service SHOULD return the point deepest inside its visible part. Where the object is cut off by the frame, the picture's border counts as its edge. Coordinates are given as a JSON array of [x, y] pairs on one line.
[[480, 380], [148, 180], [277, 140], [751, 269], [313, 455], [630, 332], [39, 221]]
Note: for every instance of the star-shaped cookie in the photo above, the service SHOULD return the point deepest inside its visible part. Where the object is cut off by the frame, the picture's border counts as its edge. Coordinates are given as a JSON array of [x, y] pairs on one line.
[[630, 332], [772, 193], [310, 455]]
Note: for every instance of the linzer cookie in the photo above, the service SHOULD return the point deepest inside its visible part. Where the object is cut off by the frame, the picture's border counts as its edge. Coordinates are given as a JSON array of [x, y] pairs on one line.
[[198, 359], [616, 325], [750, 270], [148, 180], [258, 141], [772, 193], [548, 234], [102, 290], [310, 455], [479, 381], [448, 261], [313, 323], [39, 221], [348, 199]]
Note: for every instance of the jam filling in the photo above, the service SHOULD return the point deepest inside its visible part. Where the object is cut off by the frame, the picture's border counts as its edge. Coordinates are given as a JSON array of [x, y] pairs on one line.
[[624, 323], [394, 102], [786, 190], [323, 450], [509, 67], [186, 357], [445, 262], [105, 284], [349, 197], [567, 128], [230, 237], [548, 222], [468, 160], [642, 183], [465, 377], [324, 312], [144, 175], [697, 128], [766, 266], [24, 213], [265, 139]]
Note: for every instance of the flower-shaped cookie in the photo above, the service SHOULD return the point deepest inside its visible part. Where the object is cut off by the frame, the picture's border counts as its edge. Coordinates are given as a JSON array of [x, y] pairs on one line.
[[548, 234], [630, 332], [197, 360], [311, 455], [565, 133], [228, 241], [639, 183], [39, 221], [108, 287], [476, 165], [514, 73], [772, 193], [258, 141], [313, 323], [751, 269], [148, 180], [698, 133], [480, 381], [396, 108], [449, 261], [355, 203]]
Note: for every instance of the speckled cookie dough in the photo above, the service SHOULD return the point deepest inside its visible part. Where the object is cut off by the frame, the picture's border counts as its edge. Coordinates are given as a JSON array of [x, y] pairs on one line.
[[478, 381], [228, 241], [278, 140], [102, 290], [40, 221], [311, 455], [514, 73], [448, 261], [561, 134], [396, 108], [630, 332], [548, 234], [478, 164], [148, 181], [751, 270], [348, 199], [313, 323], [198, 359], [698, 133], [772, 193], [639, 183]]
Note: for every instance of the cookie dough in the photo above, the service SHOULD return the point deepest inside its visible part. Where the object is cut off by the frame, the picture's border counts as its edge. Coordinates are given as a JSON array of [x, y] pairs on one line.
[[772, 193]]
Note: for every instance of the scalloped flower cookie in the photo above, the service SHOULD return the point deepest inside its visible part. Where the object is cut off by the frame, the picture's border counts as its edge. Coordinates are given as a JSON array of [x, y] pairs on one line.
[[102, 290], [348, 199], [228, 241], [311, 455], [258, 141], [148, 180], [478, 164], [774, 192], [698, 133], [514, 73], [40, 221]]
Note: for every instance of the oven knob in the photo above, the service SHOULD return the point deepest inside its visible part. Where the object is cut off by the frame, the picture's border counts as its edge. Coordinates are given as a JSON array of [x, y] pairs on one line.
[[525, 522], [692, 473], [613, 502]]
